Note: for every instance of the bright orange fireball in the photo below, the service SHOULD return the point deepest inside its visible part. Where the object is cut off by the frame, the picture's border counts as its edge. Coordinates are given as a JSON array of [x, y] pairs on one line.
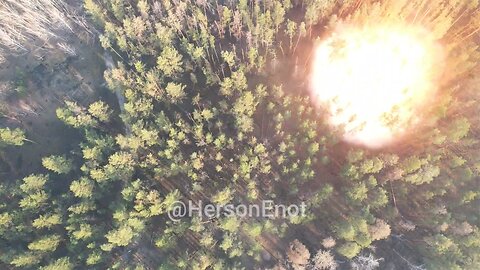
[[374, 82]]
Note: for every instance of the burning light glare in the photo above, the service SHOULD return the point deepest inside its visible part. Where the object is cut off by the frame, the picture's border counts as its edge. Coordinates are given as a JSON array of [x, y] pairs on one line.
[[374, 82]]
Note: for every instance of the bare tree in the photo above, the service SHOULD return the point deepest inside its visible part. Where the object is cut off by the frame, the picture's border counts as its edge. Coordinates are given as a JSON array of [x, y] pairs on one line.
[[411, 266], [328, 242], [364, 262], [323, 260], [298, 255], [67, 48], [25, 24], [379, 230]]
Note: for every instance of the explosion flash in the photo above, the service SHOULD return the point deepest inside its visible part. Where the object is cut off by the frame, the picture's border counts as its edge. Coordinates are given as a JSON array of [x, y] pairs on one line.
[[374, 82]]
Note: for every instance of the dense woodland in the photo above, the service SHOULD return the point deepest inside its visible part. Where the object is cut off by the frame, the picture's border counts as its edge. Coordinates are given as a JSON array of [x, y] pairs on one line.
[[216, 108]]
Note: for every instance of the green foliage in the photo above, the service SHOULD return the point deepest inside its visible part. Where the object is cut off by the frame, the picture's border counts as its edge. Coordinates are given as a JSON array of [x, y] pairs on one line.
[[358, 192], [243, 111], [48, 243], [425, 175], [60, 264], [85, 231], [34, 201], [412, 164], [229, 58], [170, 61], [349, 249], [6, 220], [223, 197], [74, 115], [11, 136], [100, 110], [120, 165], [230, 224], [33, 183], [82, 188], [458, 129], [346, 231], [26, 259], [370, 166], [322, 195], [95, 10], [175, 91], [94, 258], [47, 221], [121, 237], [58, 164]]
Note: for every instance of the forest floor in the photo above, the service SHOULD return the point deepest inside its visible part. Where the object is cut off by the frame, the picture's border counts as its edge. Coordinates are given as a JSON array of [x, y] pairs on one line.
[[48, 80]]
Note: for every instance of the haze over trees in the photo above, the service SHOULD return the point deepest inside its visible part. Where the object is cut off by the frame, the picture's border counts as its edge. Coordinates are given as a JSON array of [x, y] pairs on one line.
[[216, 109]]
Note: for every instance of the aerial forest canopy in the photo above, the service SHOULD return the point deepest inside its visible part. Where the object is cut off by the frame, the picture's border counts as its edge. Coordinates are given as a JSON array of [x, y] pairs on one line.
[[215, 104]]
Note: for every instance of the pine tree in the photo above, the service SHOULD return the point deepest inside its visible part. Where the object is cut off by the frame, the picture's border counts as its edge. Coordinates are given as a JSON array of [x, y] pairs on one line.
[[12, 136], [58, 164]]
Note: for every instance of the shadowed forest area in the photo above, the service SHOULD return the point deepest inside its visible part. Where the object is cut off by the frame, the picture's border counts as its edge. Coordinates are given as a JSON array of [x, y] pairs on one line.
[[114, 110]]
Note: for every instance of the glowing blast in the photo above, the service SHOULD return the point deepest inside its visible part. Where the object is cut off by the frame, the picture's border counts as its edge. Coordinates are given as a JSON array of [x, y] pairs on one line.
[[374, 82]]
